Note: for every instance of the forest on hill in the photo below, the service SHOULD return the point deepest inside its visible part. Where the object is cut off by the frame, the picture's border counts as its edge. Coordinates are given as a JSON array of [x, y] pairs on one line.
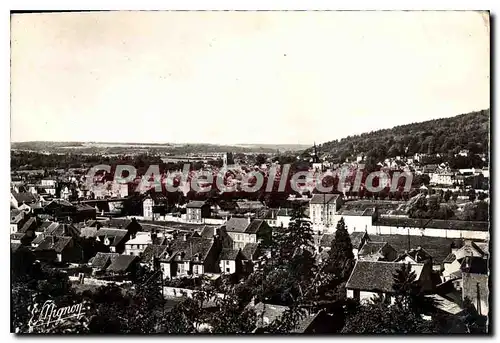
[[446, 137]]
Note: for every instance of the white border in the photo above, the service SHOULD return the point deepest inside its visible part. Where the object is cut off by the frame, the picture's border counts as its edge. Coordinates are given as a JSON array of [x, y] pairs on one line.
[[8, 5]]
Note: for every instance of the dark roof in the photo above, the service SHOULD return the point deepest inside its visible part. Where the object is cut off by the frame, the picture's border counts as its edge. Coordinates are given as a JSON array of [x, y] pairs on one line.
[[370, 248], [54, 243], [29, 225], [25, 197], [115, 235], [433, 223], [196, 204], [207, 232], [17, 235], [255, 226], [356, 239], [236, 224], [474, 265], [374, 276], [16, 216], [38, 239], [419, 255], [102, 259], [249, 250], [190, 248], [153, 251], [450, 258], [438, 247], [324, 198], [229, 254], [121, 263], [327, 239]]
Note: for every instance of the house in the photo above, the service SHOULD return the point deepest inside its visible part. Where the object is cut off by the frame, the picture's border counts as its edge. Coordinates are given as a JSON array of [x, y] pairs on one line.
[[453, 262], [370, 279], [437, 247], [268, 313], [152, 255], [475, 283], [358, 239], [113, 238], [248, 206], [245, 230], [283, 217], [58, 249], [142, 240], [415, 256], [29, 227], [442, 178], [49, 186], [196, 211], [190, 256], [377, 251], [17, 220], [322, 210], [101, 261], [154, 206], [230, 261], [19, 198], [251, 253], [122, 264]]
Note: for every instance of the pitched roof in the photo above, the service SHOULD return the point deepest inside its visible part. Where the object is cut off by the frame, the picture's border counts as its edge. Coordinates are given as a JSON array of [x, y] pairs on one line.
[[102, 259], [88, 232], [236, 224], [188, 249], [357, 238], [255, 226], [370, 248], [324, 199], [25, 197], [29, 225], [114, 235], [376, 276], [38, 239], [121, 263], [195, 204], [16, 216], [153, 251], [229, 254], [249, 250], [438, 247], [58, 244]]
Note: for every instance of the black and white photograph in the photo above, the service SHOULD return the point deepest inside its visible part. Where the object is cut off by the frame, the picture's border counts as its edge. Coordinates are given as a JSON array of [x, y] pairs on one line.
[[207, 172]]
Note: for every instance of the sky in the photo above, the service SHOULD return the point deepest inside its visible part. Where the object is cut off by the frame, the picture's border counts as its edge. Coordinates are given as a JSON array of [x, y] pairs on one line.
[[241, 77]]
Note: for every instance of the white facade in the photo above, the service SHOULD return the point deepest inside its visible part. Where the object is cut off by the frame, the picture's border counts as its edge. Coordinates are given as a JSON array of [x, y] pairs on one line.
[[323, 217], [227, 266], [147, 209], [241, 239], [431, 232]]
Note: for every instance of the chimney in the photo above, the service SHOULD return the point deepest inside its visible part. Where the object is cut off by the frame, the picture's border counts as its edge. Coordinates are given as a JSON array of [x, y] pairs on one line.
[[249, 220], [184, 237], [215, 231]]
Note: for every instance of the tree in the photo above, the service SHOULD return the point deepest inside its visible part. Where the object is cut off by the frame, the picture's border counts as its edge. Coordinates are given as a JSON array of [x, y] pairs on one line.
[[341, 255], [409, 294], [447, 195]]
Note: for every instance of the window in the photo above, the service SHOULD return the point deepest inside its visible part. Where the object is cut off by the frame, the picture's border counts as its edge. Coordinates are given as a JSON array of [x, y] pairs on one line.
[[228, 270]]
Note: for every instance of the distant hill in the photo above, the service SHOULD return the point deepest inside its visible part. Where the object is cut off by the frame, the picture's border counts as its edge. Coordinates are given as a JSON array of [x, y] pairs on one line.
[[167, 148], [446, 136]]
